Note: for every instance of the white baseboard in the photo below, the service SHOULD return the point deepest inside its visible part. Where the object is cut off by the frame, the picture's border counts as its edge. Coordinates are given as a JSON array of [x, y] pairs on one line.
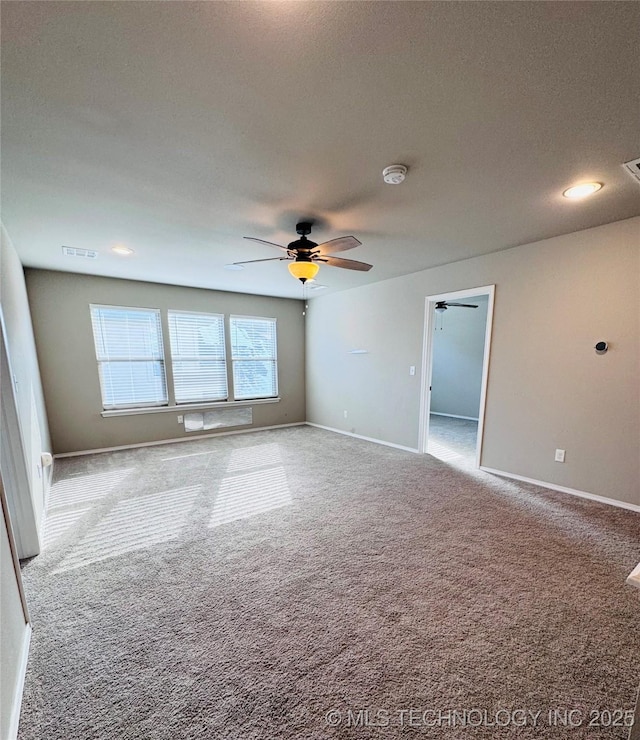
[[454, 416], [177, 439], [366, 439], [563, 489], [19, 688]]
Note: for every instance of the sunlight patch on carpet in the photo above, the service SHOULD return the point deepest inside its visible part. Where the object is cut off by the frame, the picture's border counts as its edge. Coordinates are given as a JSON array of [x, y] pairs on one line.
[[133, 525], [62, 521], [191, 454], [254, 457], [85, 488], [444, 453], [246, 495]]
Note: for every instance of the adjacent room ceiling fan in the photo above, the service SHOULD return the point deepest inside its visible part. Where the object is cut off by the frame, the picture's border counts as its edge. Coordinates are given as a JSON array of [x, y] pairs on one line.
[[305, 256], [442, 306]]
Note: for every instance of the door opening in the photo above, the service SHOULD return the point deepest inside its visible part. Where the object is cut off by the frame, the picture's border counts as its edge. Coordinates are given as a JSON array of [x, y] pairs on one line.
[[455, 367]]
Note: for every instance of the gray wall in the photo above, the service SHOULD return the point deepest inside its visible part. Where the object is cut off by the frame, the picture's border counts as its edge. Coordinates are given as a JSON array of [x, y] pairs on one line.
[[60, 311], [547, 387], [30, 407], [458, 351]]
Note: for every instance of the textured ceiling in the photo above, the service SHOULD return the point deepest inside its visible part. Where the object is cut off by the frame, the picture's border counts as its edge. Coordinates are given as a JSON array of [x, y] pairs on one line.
[[177, 128]]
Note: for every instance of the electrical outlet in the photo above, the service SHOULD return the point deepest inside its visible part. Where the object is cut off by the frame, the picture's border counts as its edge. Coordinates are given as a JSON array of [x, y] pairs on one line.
[[345, 413], [559, 455], [180, 418]]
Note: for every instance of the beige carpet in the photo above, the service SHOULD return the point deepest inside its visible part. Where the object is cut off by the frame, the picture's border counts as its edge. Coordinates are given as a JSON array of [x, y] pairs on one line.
[[300, 584]]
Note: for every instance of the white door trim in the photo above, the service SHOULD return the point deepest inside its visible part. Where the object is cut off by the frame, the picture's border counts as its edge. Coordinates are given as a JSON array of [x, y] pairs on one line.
[[16, 472], [21, 663], [427, 361]]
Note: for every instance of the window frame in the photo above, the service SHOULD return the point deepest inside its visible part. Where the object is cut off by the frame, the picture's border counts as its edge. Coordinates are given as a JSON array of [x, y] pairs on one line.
[[123, 407], [169, 403], [273, 359], [196, 358]]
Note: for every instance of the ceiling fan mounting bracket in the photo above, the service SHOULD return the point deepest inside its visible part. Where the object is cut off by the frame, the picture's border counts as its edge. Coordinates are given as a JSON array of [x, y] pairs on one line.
[[303, 228]]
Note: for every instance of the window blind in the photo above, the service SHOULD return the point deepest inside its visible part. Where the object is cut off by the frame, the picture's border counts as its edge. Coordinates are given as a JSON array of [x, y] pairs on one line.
[[254, 357], [130, 356], [198, 356]]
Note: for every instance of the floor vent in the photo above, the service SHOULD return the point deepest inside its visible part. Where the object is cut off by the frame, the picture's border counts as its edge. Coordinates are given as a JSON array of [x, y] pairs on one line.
[[633, 168], [75, 252]]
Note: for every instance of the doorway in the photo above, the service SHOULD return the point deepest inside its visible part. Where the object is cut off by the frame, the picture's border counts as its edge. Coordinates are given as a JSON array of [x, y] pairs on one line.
[[455, 370]]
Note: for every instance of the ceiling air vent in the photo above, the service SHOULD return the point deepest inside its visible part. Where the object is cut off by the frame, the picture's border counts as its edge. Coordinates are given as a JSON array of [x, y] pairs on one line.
[[633, 168], [74, 252]]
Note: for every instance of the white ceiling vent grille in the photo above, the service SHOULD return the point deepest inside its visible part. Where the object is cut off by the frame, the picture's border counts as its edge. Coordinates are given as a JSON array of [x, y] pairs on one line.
[[633, 168], [74, 252]]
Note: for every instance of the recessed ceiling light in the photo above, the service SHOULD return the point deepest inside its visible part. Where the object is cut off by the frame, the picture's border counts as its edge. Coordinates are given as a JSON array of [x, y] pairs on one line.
[[581, 191], [232, 267], [121, 249]]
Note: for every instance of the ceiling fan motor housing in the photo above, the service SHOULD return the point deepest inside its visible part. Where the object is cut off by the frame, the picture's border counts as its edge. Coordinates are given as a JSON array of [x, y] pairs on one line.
[[302, 246]]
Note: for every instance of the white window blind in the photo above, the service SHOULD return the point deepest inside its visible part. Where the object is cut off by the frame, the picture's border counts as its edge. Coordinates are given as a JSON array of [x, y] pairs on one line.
[[254, 357], [198, 356], [130, 356]]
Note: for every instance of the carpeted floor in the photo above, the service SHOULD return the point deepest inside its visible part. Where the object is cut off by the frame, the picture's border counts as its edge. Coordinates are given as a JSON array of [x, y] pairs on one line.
[[300, 584], [453, 440]]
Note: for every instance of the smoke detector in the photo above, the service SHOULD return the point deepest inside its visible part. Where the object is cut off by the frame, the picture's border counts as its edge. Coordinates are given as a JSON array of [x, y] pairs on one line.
[[394, 174]]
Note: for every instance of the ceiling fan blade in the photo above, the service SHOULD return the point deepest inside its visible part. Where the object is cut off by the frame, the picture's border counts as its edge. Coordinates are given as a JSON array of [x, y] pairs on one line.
[[462, 305], [262, 241], [341, 244], [347, 264], [268, 259]]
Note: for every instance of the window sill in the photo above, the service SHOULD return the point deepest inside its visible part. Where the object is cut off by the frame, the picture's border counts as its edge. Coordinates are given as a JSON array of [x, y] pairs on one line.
[[186, 407]]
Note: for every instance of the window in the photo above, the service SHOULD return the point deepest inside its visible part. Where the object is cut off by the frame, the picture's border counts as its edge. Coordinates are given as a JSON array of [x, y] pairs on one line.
[[198, 356], [130, 356], [254, 357]]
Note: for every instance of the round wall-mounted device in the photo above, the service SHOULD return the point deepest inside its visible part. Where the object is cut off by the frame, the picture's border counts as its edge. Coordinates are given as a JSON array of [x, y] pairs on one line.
[[601, 348], [394, 174]]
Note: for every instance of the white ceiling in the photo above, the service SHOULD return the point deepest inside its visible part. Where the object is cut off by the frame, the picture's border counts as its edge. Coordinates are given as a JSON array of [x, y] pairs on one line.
[[177, 128]]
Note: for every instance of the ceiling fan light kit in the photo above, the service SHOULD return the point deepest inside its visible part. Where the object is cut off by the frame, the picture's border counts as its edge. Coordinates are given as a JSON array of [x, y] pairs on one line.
[[304, 270]]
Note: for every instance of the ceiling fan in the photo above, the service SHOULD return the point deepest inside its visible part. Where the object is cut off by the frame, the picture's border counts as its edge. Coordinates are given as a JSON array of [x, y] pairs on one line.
[[305, 256], [442, 306]]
